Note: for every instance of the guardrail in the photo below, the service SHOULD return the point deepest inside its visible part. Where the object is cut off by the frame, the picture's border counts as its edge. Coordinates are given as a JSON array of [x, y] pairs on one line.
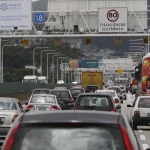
[[9, 88]]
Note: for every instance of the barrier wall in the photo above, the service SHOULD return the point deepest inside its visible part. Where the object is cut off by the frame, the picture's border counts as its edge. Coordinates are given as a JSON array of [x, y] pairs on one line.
[[25, 88]]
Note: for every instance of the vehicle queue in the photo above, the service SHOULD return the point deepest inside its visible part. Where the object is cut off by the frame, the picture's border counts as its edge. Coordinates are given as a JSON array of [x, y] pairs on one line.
[[88, 117]]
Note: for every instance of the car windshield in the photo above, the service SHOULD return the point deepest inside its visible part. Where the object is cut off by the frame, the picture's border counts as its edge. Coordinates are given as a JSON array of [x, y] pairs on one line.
[[70, 138], [7, 105], [43, 99], [107, 92], [41, 92], [144, 103], [29, 81], [94, 101], [61, 94]]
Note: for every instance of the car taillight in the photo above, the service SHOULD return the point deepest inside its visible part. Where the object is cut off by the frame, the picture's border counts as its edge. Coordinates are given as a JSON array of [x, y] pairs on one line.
[[136, 114], [30, 107], [10, 139], [113, 110], [116, 100], [75, 108], [126, 138], [14, 118], [54, 108], [70, 100]]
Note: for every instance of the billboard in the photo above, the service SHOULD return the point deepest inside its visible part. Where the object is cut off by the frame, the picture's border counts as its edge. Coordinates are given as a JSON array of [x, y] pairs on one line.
[[88, 63], [74, 63], [16, 15], [113, 19], [145, 82]]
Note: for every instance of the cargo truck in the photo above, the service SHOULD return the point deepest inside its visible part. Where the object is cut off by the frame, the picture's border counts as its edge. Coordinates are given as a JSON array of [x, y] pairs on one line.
[[92, 81]]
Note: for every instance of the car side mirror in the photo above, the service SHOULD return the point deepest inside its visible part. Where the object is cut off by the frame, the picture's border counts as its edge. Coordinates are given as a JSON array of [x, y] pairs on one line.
[[129, 105], [118, 107]]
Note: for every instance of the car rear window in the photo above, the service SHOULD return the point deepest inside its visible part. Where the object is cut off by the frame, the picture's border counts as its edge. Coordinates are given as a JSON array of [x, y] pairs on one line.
[[76, 92], [7, 105], [91, 89], [61, 94], [144, 103], [43, 99], [41, 92], [69, 138], [94, 101]]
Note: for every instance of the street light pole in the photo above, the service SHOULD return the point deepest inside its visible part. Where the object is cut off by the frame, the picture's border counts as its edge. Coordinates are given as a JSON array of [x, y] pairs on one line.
[[34, 56], [42, 57], [53, 66], [57, 65], [48, 62]]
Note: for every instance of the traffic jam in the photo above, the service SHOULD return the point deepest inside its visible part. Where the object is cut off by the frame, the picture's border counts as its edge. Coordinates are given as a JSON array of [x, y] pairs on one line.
[[86, 116]]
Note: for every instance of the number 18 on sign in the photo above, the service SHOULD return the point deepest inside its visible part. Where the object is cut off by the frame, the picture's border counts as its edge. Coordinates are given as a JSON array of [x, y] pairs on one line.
[[39, 18]]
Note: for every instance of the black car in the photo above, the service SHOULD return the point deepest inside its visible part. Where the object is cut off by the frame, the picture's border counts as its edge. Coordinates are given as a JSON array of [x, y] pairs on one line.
[[61, 130], [95, 101], [64, 98], [76, 91]]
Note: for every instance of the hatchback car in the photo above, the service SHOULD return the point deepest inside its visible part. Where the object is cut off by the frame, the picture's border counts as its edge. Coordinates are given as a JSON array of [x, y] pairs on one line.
[[140, 115], [95, 101], [64, 98], [10, 109], [71, 130], [114, 95], [42, 102]]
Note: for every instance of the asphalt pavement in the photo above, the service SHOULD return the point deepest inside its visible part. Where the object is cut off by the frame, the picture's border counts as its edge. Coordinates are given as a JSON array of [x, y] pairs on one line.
[[143, 132]]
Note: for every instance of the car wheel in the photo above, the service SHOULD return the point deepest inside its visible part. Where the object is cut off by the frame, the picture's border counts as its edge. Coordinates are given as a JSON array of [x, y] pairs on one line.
[[134, 125]]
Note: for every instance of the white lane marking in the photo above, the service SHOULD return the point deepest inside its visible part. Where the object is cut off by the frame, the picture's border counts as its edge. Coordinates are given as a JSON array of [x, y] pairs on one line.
[[145, 146], [142, 137], [140, 130]]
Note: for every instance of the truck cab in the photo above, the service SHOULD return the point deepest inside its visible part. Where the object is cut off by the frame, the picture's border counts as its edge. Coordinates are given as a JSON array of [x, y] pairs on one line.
[[29, 79]]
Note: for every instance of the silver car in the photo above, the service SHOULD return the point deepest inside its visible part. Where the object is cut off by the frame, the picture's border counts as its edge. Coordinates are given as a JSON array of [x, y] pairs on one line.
[[114, 95], [42, 102], [10, 109]]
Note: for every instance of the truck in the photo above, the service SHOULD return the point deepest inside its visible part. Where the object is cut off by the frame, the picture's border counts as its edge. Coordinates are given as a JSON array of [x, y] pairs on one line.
[[30, 79], [92, 80]]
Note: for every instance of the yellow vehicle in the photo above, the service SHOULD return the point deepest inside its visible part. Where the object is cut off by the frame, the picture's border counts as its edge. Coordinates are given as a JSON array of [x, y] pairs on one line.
[[92, 79]]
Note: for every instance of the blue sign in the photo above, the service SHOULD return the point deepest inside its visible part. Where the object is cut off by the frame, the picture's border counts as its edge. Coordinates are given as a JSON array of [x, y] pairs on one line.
[[88, 63], [39, 18]]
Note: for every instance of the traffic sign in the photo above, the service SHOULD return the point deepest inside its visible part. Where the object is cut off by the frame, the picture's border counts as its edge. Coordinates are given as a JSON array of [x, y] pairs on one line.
[[112, 15], [39, 18], [25, 42]]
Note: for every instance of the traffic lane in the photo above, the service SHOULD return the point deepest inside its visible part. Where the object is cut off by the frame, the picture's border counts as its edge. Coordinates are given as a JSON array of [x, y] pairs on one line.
[[143, 132]]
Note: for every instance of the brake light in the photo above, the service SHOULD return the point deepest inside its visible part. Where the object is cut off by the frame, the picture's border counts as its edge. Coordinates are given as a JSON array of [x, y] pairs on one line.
[[54, 108], [10, 139], [14, 118], [75, 108], [30, 107], [126, 138], [113, 110], [70, 100], [116, 100], [136, 114]]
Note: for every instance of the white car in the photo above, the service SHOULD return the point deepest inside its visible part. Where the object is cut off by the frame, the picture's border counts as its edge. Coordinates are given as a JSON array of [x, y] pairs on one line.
[[114, 95], [60, 82], [140, 115]]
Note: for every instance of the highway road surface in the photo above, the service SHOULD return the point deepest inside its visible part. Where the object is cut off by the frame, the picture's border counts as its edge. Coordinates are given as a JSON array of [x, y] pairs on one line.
[[143, 132]]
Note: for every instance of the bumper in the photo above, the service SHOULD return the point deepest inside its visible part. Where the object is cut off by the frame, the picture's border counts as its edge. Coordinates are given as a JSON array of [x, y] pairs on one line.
[[67, 107], [141, 120]]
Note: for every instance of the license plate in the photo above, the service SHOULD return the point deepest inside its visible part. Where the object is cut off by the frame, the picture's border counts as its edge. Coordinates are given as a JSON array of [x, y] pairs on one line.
[[148, 114], [42, 108]]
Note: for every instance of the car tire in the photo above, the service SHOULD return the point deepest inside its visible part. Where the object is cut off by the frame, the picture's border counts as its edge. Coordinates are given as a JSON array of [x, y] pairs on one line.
[[134, 125]]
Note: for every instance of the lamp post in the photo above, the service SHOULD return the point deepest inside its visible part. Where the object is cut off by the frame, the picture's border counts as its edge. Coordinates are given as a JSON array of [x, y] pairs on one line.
[[53, 66], [42, 56], [48, 62], [57, 64], [36, 48]]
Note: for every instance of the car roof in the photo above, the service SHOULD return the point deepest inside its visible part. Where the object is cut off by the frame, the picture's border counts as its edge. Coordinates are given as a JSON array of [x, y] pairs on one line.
[[96, 94], [144, 96], [76, 88], [41, 89], [61, 89], [8, 99], [105, 90], [71, 116], [43, 95]]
